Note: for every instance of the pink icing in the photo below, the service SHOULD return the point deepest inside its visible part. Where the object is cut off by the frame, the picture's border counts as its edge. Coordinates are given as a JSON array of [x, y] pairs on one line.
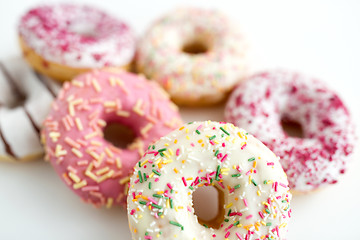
[[77, 36], [93, 99], [259, 105]]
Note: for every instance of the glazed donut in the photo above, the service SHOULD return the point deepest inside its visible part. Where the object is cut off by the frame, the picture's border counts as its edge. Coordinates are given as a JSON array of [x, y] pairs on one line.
[[267, 98], [25, 100], [256, 202], [197, 55], [63, 40], [91, 166]]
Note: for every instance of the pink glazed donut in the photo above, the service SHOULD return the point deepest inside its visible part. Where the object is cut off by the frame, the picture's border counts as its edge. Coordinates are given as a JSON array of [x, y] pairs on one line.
[[73, 134], [316, 160]]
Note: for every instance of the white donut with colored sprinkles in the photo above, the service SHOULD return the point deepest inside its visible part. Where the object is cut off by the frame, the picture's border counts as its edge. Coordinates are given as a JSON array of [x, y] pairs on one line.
[[322, 154], [197, 55], [256, 198]]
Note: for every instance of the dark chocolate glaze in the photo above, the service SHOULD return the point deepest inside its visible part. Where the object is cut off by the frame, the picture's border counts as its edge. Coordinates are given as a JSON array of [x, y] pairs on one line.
[[36, 128], [12, 83], [8, 149], [21, 97]]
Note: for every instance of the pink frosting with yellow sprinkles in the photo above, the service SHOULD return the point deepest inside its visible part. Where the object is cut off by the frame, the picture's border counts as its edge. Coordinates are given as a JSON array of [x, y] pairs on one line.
[[92, 167]]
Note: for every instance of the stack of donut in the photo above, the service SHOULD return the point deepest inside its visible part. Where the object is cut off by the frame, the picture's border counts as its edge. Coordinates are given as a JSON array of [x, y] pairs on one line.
[[24, 103], [198, 57]]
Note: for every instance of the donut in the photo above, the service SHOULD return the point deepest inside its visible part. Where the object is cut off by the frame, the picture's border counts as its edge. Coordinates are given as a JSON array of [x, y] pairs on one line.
[[64, 40], [25, 100], [322, 154], [197, 55], [254, 187], [73, 136]]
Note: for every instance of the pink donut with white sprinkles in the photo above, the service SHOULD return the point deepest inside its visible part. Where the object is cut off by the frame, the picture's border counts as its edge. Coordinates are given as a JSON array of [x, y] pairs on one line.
[[73, 134], [318, 158]]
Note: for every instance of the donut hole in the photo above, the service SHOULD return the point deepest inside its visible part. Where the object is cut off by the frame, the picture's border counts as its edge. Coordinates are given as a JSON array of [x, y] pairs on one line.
[[292, 128], [119, 135], [208, 204], [195, 47], [84, 29]]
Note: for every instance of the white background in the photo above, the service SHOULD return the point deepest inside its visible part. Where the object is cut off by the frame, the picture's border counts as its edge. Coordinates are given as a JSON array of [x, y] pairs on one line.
[[320, 38]]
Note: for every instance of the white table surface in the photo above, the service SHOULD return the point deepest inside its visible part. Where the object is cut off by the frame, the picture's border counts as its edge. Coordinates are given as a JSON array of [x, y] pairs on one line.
[[320, 38]]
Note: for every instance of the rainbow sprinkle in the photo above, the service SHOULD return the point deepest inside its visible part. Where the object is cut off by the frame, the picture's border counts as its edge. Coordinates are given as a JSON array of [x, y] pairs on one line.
[[255, 208]]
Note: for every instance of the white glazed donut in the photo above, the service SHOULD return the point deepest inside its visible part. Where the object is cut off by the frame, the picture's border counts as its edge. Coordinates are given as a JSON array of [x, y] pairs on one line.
[[197, 55], [253, 183], [25, 100], [322, 155], [64, 40]]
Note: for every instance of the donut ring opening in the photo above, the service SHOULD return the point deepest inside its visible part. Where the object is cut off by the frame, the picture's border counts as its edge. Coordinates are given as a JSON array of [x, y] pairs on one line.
[[119, 131], [119, 135], [196, 46], [292, 128], [208, 202]]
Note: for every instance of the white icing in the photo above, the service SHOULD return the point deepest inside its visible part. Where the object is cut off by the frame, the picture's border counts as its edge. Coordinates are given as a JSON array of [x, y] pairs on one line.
[[189, 77], [258, 105], [56, 32], [19, 133], [38, 98], [15, 124], [199, 162]]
